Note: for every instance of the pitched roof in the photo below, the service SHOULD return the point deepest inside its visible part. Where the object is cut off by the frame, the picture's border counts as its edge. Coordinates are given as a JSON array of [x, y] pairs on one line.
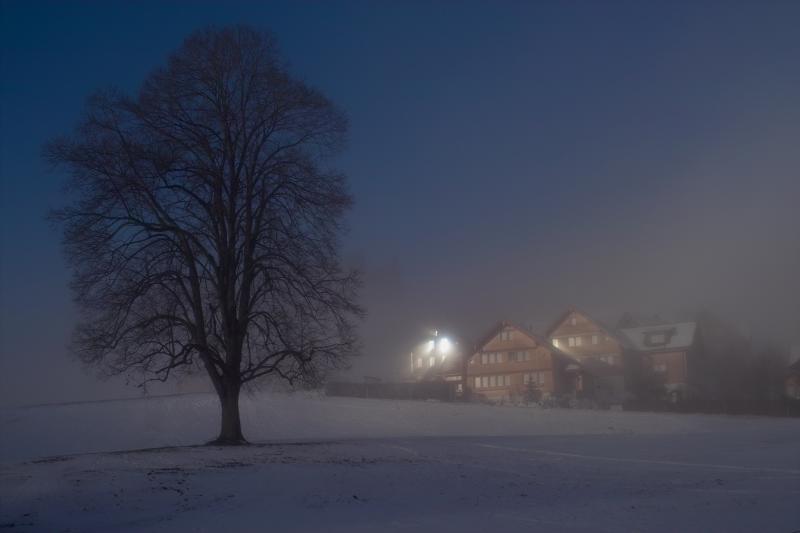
[[539, 340], [612, 332], [679, 335]]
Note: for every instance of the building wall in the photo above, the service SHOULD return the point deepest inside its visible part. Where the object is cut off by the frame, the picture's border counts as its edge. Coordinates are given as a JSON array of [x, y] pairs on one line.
[[580, 337], [506, 377], [671, 365]]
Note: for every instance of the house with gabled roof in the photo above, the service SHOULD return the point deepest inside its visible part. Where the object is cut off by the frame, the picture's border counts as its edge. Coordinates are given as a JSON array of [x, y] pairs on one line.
[[672, 352], [509, 362], [597, 348]]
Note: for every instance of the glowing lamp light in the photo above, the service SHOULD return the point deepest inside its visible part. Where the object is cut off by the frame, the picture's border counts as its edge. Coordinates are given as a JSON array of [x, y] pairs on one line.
[[445, 346]]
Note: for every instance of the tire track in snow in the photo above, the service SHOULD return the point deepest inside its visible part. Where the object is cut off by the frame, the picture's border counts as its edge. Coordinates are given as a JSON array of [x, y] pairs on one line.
[[642, 461]]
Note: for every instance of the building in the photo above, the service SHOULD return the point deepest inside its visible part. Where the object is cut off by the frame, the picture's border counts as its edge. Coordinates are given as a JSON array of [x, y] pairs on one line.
[[669, 352], [598, 350], [578, 359], [438, 358], [512, 364]]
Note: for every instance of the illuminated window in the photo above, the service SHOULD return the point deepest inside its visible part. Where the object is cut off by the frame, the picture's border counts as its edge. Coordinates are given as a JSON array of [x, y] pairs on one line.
[[431, 361], [555, 343]]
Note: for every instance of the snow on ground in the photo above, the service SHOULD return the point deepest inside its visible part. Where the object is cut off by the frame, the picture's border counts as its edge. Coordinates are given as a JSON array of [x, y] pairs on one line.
[[343, 464], [193, 419]]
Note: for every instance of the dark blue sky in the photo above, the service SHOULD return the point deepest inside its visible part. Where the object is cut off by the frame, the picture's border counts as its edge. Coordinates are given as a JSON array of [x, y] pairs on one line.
[[507, 159]]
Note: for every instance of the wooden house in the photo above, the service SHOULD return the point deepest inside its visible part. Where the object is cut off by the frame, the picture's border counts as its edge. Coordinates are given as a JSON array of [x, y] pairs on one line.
[[598, 349], [511, 363]]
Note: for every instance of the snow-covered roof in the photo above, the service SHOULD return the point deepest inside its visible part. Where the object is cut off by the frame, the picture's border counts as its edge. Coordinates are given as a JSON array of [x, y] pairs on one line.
[[676, 336]]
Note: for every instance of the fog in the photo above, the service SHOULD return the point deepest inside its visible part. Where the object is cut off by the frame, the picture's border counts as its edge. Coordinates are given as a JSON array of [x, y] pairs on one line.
[[505, 165]]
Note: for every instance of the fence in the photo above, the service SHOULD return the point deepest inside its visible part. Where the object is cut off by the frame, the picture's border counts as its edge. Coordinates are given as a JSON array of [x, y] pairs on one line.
[[423, 390]]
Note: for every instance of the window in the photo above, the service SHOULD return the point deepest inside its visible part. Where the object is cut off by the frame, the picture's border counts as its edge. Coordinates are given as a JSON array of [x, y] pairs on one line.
[[419, 362], [506, 335], [571, 341], [519, 356], [555, 343], [609, 359], [578, 341], [594, 339], [484, 358], [492, 358], [431, 361], [484, 381], [477, 383], [658, 338], [661, 368], [499, 357], [493, 381], [537, 378]]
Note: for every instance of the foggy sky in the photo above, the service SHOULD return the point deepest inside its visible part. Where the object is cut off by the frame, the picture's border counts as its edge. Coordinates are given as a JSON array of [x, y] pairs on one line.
[[506, 161]]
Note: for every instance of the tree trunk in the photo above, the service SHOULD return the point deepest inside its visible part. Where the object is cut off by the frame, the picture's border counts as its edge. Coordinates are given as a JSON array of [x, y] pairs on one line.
[[230, 432]]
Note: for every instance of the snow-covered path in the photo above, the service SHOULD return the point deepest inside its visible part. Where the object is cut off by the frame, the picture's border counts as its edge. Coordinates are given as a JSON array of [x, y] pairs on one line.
[[424, 467]]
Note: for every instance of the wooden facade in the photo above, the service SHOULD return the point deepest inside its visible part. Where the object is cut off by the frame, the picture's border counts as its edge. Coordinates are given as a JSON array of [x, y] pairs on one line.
[[510, 362], [599, 351]]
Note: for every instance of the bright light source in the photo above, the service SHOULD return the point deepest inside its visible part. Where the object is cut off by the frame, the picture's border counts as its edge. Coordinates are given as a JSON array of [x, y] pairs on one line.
[[428, 346], [445, 346]]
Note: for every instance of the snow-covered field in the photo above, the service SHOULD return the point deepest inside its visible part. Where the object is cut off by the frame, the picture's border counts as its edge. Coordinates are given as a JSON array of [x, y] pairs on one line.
[[342, 464]]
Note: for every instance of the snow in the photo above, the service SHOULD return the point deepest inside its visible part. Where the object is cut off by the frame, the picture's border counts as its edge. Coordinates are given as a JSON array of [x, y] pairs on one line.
[[345, 464], [681, 338]]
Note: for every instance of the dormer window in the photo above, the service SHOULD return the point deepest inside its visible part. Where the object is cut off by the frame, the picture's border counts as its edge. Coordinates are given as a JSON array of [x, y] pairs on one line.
[[506, 335], [658, 337]]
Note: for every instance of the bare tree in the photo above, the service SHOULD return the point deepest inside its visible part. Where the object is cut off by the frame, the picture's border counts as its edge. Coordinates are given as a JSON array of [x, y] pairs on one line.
[[203, 225]]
